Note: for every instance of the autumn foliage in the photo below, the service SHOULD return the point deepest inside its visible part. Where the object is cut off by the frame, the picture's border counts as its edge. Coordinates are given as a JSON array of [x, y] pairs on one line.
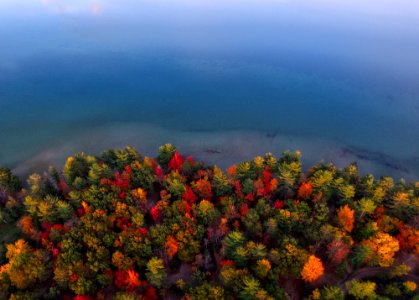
[[122, 226], [172, 246], [346, 218], [384, 247], [312, 270], [305, 190], [337, 251], [408, 238]]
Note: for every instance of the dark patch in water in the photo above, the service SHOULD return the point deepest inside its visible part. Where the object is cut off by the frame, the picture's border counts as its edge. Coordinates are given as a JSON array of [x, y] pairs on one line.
[[390, 98], [204, 130], [274, 132], [376, 157], [212, 151]]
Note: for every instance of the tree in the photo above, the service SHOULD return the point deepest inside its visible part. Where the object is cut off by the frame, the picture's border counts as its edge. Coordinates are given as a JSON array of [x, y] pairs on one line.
[[11, 183], [312, 270], [332, 293], [408, 237], [263, 266], [26, 266], [204, 188], [384, 246], [27, 226], [234, 247], [251, 288], [361, 289], [156, 272], [176, 162], [366, 206], [220, 182], [132, 280], [172, 246], [410, 286], [346, 218], [166, 153], [129, 228], [119, 158], [321, 180], [76, 170], [305, 190], [175, 184], [206, 212], [290, 259], [337, 251], [207, 291]]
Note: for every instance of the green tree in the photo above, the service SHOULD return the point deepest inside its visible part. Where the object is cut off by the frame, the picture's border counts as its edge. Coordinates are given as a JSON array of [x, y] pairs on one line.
[[221, 183], [11, 183], [206, 291], [166, 152], [332, 293], [76, 170], [252, 290], [361, 289]]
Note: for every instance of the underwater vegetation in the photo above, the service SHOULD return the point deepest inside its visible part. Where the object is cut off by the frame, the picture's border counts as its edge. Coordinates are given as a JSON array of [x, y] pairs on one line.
[[123, 226]]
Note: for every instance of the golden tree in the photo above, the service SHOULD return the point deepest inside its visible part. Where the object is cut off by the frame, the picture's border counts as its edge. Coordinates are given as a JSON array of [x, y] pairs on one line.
[[384, 247], [26, 266]]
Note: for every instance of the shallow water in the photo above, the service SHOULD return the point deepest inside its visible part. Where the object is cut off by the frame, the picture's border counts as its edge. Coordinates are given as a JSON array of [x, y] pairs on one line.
[[340, 81]]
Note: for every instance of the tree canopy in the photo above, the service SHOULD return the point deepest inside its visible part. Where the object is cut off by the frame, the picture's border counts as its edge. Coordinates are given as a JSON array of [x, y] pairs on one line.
[[122, 226]]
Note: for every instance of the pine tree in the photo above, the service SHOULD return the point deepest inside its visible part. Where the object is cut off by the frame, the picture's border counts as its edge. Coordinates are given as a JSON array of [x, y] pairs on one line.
[[166, 153], [234, 240], [220, 182], [8, 181]]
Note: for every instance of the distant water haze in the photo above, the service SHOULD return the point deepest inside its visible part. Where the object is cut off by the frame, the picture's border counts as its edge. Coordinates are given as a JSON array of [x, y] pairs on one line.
[[223, 80]]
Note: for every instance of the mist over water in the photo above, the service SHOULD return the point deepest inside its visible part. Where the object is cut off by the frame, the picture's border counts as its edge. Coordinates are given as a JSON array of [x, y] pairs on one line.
[[340, 81]]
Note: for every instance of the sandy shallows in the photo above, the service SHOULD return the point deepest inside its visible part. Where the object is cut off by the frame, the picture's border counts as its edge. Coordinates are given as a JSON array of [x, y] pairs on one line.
[[223, 148]]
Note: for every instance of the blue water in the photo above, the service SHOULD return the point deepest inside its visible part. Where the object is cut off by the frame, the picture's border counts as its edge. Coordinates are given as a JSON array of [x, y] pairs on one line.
[[338, 80]]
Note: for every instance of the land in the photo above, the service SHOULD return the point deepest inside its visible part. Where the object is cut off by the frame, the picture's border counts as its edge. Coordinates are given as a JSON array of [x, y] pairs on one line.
[[120, 225]]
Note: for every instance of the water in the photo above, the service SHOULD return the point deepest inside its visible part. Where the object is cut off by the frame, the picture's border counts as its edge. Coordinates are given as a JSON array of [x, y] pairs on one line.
[[224, 80]]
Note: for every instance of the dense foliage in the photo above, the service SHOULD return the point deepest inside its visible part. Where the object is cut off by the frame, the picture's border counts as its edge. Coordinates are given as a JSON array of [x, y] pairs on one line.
[[123, 226]]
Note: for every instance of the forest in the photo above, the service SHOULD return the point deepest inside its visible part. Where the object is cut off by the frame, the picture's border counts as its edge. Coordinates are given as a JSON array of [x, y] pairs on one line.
[[120, 225]]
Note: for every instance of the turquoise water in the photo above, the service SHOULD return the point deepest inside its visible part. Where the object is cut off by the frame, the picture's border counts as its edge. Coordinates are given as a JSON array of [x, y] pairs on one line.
[[224, 80]]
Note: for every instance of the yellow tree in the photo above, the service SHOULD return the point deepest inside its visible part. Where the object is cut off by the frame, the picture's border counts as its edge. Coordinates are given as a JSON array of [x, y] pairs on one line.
[[26, 266]]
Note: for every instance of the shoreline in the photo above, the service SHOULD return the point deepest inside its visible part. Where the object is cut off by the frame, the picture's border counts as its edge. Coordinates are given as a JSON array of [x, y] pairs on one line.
[[218, 147]]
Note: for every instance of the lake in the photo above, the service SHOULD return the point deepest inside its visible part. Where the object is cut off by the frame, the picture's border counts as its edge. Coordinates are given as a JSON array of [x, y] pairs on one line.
[[222, 80]]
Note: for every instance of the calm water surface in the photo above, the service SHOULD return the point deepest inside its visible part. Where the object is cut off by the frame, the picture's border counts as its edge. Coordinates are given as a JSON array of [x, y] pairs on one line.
[[340, 81]]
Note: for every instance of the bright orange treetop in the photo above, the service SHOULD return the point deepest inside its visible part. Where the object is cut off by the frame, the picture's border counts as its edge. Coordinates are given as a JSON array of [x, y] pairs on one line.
[[305, 190], [346, 218], [172, 246], [313, 269]]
